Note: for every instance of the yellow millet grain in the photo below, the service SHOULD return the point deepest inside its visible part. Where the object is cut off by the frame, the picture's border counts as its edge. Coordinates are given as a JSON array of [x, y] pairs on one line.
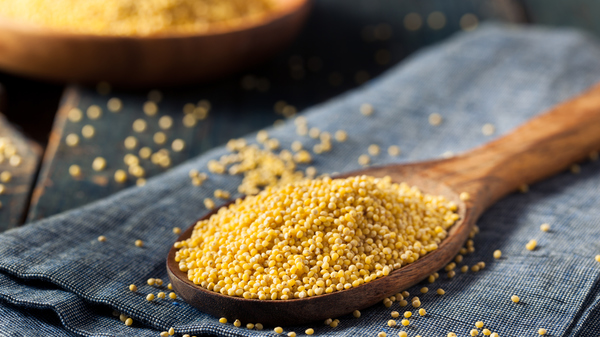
[[134, 17], [531, 244], [260, 167], [314, 237]]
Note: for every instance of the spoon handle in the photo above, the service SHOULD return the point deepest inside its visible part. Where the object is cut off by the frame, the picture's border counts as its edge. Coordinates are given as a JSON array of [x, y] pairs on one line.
[[540, 148]]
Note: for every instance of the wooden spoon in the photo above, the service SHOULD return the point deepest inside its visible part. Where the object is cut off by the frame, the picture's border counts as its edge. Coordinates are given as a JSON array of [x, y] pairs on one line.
[[143, 61], [542, 147]]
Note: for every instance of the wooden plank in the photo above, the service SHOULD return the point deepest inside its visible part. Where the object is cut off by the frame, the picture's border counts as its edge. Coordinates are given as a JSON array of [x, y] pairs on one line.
[[57, 190], [19, 159]]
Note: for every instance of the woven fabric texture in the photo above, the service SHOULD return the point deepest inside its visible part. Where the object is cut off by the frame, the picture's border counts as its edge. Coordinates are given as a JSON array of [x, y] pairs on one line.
[[57, 279]]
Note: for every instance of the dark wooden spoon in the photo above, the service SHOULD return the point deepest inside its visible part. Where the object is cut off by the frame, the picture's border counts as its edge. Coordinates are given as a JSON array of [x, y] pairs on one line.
[[542, 147]]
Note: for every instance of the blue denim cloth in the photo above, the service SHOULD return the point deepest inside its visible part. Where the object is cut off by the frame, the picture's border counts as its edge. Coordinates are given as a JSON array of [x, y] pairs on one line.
[[57, 279]]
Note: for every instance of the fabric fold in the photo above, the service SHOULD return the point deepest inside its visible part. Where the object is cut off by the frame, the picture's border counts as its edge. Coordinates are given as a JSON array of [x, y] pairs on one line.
[[496, 74]]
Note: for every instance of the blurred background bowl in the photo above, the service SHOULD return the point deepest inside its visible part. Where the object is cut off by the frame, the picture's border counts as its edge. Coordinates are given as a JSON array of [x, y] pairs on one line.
[[144, 61]]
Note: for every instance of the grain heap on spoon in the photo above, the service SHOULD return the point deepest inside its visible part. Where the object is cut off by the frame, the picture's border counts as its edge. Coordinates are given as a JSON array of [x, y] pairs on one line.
[[314, 237]]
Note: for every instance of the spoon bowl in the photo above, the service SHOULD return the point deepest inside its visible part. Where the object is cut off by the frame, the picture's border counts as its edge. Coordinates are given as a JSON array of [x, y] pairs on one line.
[[144, 61], [295, 311], [540, 148]]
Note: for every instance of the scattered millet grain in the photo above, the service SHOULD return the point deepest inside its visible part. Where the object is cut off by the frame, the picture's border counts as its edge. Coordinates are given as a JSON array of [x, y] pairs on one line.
[[488, 129], [72, 139], [422, 312], [237, 323], [278, 330], [393, 150], [366, 109], [159, 138], [479, 324], [364, 159], [497, 254], [435, 119], [356, 313], [133, 287], [150, 297], [102, 238], [88, 131], [75, 170], [114, 104], [139, 243], [531, 244], [341, 136], [474, 332], [391, 323], [178, 145], [75, 115], [515, 298], [440, 291], [405, 322], [120, 176], [545, 227], [542, 331], [373, 149], [128, 321], [464, 196], [486, 332], [99, 164], [94, 112], [139, 125]]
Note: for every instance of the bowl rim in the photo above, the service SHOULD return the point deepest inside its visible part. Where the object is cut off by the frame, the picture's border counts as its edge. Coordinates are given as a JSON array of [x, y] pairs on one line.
[[282, 9]]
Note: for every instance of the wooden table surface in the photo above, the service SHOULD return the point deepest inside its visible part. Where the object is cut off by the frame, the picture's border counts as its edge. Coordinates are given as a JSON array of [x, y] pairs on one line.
[[361, 41]]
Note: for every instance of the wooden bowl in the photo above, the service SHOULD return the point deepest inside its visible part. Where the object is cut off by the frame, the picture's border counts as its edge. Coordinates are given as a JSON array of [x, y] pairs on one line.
[[144, 61]]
